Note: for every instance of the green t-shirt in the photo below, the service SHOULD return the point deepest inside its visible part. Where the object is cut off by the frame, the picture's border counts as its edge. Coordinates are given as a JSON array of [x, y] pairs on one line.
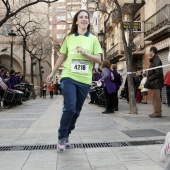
[[77, 66]]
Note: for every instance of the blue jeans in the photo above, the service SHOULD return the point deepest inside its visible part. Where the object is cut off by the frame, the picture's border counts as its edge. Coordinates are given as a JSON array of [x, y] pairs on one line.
[[168, 94], [74, 94]]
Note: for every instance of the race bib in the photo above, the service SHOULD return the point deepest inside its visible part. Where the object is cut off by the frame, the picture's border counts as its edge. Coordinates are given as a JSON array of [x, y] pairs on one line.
[[79, 65]]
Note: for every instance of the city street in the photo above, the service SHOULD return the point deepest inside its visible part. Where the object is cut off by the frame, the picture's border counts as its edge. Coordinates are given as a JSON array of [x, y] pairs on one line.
[[36, 122]]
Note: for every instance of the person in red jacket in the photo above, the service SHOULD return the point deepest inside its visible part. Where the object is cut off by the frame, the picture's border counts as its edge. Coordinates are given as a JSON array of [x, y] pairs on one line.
[[51, 88], [167, 84]]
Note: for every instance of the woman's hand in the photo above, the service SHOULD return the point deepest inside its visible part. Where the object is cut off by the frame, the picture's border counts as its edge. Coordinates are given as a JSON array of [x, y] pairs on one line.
[[3, 85], [99, 83], [49, 78], [80, 50]]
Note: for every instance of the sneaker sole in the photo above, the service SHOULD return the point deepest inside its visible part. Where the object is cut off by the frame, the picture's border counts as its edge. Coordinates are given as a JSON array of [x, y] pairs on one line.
[[162, 153], [60, 150]]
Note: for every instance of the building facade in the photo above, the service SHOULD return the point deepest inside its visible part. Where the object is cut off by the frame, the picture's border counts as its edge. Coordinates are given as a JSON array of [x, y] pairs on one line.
[[38, 12], [154, 17]]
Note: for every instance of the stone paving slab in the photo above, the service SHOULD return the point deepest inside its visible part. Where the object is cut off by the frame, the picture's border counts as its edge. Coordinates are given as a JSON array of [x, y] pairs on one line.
[[42, 118]]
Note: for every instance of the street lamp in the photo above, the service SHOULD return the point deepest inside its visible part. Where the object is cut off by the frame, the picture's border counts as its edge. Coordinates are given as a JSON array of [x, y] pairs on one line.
[[12, 36], [101, 37]]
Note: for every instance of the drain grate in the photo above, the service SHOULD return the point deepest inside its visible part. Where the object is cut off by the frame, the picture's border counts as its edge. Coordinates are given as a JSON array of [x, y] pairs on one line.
[[143, 133], [82, 145]]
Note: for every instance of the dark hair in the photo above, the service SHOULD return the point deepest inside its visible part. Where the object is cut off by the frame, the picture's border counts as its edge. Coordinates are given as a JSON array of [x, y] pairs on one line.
[[12, 71], [106, 64], [1, 66], [144, 74], [154, 49], [114, 66], [74, 25]]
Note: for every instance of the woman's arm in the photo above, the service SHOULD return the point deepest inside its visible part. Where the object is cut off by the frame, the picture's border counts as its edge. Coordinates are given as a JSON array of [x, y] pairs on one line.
[[95, 58], [105, 74], [59, 62]]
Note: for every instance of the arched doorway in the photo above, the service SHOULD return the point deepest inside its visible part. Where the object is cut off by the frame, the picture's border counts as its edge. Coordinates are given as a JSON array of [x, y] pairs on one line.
[[5, 59]]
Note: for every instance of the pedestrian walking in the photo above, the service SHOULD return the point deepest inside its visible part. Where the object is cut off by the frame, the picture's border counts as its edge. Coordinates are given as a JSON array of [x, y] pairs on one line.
[[80, 49], [51, 87], [155, 82], [44, 89], [167, 84]]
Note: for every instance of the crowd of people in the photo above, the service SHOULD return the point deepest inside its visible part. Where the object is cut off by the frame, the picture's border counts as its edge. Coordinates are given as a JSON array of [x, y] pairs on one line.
[[107, 93], [12, 88], [152, 79]]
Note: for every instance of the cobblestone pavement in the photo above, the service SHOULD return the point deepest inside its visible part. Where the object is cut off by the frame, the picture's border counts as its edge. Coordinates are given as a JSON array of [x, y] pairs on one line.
[[36, 123]]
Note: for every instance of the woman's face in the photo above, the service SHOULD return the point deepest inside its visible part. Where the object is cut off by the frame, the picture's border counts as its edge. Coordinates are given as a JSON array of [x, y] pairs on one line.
[[82, 20]]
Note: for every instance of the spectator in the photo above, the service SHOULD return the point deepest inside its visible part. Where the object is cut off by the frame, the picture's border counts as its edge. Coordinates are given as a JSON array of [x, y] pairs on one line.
[[144, 91], [109, 87], [51, 87], [138, 79], [155, 82], [167, 84], [118, 84], [2, 84], [44, 88]]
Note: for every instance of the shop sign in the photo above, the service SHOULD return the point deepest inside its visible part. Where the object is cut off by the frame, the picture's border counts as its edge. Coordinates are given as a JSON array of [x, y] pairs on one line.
[[137, 26]]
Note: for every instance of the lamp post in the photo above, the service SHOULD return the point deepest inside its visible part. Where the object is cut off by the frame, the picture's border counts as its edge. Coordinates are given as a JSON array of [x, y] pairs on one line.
[[12, 36], [101, 40]]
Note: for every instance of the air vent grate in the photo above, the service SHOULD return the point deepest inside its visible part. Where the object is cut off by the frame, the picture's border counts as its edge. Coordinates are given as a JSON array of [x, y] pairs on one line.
[[82, 145]]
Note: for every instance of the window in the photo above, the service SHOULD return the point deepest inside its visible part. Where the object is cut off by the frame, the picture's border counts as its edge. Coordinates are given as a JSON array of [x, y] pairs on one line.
[[59, 18], [60, 36], [50, 10], [60, 27], [61, 8], [50, 27], [50, 18]]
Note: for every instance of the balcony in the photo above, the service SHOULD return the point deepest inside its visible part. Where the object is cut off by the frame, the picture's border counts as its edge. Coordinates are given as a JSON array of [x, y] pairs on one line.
[[158, 24], [115, 51]]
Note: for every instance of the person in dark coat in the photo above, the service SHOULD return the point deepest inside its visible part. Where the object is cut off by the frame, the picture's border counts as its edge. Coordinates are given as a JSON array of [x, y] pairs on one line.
[[155, 81], [12, 80], [116, 75]]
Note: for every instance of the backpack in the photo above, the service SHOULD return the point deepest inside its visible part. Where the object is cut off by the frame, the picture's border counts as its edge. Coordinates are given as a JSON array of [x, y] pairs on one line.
[[118, 79]]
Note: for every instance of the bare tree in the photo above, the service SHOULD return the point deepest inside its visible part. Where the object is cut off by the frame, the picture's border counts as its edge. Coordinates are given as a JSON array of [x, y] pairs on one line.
[[107, 11], [129, 10], [11, 7], [39, 50], [25, 27]]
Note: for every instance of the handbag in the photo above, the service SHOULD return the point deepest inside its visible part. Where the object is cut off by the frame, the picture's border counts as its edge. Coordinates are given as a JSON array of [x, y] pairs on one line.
[[140, 87]]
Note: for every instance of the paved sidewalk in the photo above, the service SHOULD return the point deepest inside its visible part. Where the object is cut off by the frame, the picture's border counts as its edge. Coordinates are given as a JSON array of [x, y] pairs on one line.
[[36, 123]]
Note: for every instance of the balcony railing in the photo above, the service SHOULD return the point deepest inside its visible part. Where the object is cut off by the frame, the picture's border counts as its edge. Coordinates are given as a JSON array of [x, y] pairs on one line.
[[112, 52], [157, 20]]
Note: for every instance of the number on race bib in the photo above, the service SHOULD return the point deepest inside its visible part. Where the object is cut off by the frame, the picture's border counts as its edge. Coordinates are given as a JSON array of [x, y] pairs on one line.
[[80, 67]]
